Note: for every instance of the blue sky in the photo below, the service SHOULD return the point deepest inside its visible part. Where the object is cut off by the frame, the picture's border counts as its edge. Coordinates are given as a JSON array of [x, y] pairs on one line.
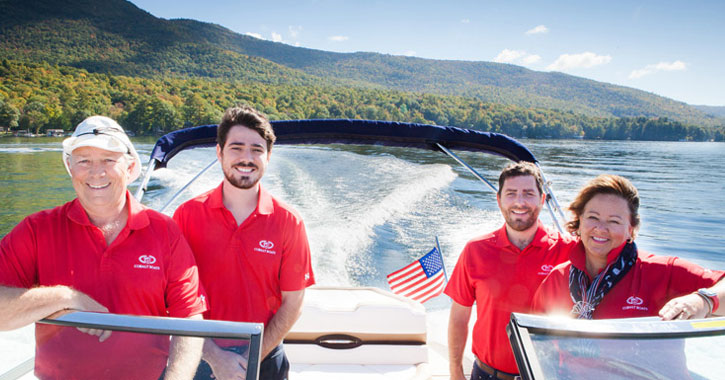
[[671, 48]]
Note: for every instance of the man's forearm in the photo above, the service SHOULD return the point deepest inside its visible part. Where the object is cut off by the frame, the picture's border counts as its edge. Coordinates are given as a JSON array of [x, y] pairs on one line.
[[23, 306], [184, 356], [457, 336], [283, 320]]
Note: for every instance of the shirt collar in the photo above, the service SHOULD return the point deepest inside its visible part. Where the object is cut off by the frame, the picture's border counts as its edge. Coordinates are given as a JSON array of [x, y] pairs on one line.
[[137, 219], [264, 206], [578, 256], [215, 197], [264, 203]]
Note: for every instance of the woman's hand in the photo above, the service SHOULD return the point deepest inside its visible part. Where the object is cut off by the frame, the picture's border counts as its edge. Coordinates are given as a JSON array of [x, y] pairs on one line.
[[691, 306]]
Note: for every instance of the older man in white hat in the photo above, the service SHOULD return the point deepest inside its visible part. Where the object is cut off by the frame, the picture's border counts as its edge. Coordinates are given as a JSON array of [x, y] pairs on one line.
[[102, 251]]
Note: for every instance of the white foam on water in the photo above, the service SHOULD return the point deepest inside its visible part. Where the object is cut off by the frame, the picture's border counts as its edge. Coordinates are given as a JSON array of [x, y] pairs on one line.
[[344, 196], [29, 149]]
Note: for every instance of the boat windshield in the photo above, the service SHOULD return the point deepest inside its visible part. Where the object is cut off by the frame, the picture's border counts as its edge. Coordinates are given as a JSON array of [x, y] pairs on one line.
[[641, 348], [112, 346]]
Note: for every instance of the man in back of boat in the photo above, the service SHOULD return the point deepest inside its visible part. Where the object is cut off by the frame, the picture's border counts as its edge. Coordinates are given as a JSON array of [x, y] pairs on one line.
[[252, 249], [101, 252], [499, 272]]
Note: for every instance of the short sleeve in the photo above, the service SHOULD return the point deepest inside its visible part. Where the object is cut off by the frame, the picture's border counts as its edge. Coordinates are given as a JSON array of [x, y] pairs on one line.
[[19, 257], [296, 269], [184, 293], [460, 287], [687, 277]]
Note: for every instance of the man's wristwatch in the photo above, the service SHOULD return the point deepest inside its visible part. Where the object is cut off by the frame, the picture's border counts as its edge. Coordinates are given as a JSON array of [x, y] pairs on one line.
[[711, 296]]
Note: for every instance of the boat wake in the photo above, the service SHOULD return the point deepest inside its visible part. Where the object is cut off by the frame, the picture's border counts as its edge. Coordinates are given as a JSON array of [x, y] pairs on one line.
[[352, 202]]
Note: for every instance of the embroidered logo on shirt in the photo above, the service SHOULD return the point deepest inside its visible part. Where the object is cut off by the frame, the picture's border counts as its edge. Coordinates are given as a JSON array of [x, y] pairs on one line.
[[546, 269], [266, 247], [634, 303], [147, 262], [634, 300], [147, 259]]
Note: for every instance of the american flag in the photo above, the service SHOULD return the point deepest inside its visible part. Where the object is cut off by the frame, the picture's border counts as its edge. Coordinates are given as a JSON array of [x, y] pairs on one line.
[[422, 280]]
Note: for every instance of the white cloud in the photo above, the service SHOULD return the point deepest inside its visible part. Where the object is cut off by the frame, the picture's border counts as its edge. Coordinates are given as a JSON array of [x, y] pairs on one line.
[[255, 35], [516, 56], [338, 38], [276, 37], [530, 59], [662, 66], [294, 31], [508, 56], [575, 61], [541, 29], [465, 21], [409, 53]]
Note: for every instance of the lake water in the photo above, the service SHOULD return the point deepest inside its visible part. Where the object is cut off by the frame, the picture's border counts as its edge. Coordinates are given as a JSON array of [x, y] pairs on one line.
[[372, 210]]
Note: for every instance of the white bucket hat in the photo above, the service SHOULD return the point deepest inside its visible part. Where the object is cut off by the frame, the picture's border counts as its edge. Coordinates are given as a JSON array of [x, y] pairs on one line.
[[104, 133]]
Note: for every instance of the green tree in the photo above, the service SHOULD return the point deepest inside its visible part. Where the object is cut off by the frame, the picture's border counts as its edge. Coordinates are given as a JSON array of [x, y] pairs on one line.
[[198, 111], [35, 115], [165, 116], [9, 115]]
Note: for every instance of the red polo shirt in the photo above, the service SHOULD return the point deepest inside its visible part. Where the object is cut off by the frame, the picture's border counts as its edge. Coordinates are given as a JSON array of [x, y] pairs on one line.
[[642, 292], [245, 268], [147, 270], [501, 279]]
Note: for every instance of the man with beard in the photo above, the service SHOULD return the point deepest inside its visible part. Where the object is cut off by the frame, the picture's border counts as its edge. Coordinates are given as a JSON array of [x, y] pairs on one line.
[[500, 272], [251, 250]]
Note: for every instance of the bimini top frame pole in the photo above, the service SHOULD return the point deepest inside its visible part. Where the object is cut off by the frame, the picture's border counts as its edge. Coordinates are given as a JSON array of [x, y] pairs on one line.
[[176, 195], [142, 189], [551, 203], [145, 181], [465, 165]]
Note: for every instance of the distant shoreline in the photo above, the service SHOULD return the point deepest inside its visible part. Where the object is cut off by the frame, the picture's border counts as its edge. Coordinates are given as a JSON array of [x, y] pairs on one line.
[[11, 135]]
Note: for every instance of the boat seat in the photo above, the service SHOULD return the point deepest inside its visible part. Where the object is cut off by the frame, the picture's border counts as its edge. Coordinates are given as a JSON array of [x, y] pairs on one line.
[[358, 331]]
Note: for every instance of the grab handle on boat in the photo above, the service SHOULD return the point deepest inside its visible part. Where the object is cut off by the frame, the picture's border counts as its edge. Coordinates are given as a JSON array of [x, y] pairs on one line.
[[338, 341]]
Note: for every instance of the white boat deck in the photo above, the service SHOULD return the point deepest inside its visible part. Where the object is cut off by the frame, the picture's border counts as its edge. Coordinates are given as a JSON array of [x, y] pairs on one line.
[[399, 339]]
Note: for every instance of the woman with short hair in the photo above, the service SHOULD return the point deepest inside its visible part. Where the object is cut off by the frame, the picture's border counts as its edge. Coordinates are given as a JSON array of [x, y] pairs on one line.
[[608, 277]]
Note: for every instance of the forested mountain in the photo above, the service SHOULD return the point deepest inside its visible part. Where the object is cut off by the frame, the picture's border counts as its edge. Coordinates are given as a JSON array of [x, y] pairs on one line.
[[718, 111], [61, 96], [130, 54]]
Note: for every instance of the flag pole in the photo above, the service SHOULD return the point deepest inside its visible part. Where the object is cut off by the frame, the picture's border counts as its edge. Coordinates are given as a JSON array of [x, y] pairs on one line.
[[438, 246]]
